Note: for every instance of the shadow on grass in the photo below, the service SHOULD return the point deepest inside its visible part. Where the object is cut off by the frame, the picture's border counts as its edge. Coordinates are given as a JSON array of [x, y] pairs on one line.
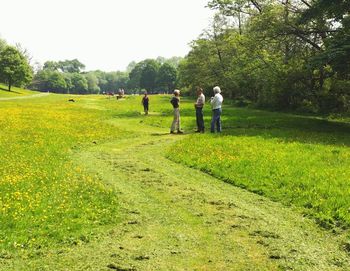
[[160, 134], [11, 91], [288, 127]]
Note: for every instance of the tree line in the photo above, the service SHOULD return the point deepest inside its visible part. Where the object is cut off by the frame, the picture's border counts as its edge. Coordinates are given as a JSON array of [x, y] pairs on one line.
[[69, 77], [281, 54]]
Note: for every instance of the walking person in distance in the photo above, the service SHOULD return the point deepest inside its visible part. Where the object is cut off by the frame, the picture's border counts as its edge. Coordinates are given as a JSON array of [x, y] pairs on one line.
[[145, 103]]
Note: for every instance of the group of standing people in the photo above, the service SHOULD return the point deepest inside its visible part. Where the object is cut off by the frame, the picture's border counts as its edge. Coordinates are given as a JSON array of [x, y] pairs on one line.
[[216, 104]]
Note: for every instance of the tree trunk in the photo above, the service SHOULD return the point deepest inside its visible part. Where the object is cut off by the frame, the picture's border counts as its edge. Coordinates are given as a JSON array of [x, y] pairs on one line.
[[286, 21], [10, 83], [240, 23]]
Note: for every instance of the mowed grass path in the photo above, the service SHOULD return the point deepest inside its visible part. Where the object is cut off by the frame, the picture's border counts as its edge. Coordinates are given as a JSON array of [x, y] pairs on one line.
[[156, 214]]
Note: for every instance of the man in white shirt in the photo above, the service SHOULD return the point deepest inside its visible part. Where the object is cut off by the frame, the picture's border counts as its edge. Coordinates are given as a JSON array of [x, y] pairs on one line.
[[199, 110], [216, 103]]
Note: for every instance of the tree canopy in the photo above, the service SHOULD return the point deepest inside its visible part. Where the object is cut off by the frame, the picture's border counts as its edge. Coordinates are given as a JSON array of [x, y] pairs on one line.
[[287, 54], [14, 67]]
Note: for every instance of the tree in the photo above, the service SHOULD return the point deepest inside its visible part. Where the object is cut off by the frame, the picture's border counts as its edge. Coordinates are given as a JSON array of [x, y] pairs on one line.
[[3, 45], [131, 66], [167, 76], [71, 66], [135, 76], [79, 84], [51, 65], [48, 80], [14, 68], [92, 80], [149, 74], [290, 54]]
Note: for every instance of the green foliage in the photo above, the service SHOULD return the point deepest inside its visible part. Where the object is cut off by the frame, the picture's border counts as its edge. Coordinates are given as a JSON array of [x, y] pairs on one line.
[[3, 45], [79, 83], [149, 74], [277, 54], [71, 66], [167, 77], [51, 80], [51, 65], [92, 80], [154, 75], [135, 76], [66, 66], [14, 67]]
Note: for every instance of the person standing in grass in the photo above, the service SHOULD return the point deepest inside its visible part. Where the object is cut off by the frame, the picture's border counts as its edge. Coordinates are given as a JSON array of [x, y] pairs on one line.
[[199, 110], [145, 103], [216, 103], [175, 101]]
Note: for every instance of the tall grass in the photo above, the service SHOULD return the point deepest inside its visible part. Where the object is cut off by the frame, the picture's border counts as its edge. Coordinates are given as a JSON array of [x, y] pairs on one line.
[[46, 199]]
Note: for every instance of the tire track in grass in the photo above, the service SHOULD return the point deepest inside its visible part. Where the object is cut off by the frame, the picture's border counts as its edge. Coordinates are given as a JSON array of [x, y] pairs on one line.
[[25, 97]]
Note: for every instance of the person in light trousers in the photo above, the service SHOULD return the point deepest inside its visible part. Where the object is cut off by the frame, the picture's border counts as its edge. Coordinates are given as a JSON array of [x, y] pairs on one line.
[[216, 104], [175, 101]]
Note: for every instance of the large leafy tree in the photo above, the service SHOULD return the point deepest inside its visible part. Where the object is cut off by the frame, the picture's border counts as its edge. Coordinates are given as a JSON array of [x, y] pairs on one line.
[[167, 76], [79, 83], [93, 82], [14, 67], [149, 75], [135, 76], [51, 65], [3, 44], [66, 66], [49, 80], [71, 66], [277, 53]]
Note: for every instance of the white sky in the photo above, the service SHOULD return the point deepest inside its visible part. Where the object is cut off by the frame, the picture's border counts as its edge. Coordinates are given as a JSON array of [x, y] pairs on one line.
[[103, 34]]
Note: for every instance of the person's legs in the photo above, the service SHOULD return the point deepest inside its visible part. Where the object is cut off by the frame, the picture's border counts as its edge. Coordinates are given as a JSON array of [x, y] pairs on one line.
[[212, 124], [200, 120], [197, 120], [175, 121], [218, 121], [214, 120], [178, 119]]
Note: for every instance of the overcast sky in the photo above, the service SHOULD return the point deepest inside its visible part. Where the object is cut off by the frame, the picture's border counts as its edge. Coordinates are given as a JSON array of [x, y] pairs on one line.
[[103, 34]]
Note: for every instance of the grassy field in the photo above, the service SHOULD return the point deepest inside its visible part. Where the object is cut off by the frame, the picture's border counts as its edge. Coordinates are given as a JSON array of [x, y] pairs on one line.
[[4, 93], [299, 160], [45, 198], [89, 185]]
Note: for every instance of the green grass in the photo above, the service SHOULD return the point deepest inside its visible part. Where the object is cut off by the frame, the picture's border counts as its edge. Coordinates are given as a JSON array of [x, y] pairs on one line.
[[299, 160], [4, 93], [46, 199], [86, 185]]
